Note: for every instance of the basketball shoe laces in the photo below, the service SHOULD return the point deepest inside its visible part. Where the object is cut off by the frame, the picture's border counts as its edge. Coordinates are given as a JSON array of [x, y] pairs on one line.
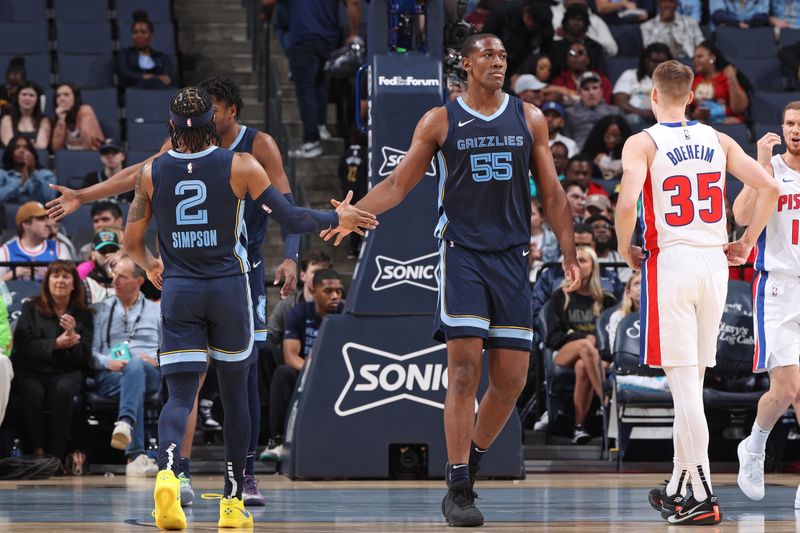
[[465, 499], [755, 472], [250, 485]]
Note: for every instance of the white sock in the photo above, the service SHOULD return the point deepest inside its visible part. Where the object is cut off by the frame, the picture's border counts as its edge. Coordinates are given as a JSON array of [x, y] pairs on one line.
[[758, 439], [679, 480], [701, 473]]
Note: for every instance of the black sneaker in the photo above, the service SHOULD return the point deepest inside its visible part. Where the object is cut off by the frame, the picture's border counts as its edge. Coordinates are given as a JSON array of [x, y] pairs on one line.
[[458, 507], [694, 513], [580, 435]]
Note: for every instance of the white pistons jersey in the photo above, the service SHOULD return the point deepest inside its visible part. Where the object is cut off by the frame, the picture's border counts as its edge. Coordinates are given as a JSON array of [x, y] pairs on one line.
[[778, 248], [683, 198]]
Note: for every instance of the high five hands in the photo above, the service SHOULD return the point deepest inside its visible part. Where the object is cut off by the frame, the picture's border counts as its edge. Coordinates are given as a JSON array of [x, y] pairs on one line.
[[351, 219]]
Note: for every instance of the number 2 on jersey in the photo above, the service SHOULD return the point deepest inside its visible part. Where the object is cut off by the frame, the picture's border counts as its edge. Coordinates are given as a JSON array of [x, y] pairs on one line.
[[182, 216], [707, 190]]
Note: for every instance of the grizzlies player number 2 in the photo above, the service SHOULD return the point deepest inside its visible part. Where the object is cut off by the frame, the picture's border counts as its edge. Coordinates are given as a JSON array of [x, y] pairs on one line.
[[182, 218]]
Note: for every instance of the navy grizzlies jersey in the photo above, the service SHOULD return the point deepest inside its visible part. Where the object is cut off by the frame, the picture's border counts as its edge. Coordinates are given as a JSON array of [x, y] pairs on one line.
[[484, 193], [201, 230], [253, 215]]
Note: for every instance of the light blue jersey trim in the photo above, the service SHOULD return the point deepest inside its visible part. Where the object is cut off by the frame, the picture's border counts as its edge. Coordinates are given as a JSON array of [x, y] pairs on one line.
[[260, 336], [238, 139], [178, 155], [233, 357], [183, 357], [511, 333], [447, 320], [474, 113], [241, 231], [442, 179]]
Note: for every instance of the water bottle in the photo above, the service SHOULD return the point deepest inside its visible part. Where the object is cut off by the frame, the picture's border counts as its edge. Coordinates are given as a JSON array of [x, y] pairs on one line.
[[16, 450], [152, 449]]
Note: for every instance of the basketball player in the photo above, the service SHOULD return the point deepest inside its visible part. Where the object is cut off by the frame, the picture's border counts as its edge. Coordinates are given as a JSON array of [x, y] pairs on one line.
[[237, 137], [776, 293], [678, 168], [204, 263], [487, 142]]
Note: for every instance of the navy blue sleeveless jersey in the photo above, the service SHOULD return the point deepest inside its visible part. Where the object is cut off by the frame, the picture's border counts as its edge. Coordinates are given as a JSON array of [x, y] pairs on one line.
[[484, 193], [201, 230], [254, 217]]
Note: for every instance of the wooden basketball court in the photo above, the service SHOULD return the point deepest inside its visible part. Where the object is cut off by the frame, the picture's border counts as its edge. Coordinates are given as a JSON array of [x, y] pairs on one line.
[[590, 503]]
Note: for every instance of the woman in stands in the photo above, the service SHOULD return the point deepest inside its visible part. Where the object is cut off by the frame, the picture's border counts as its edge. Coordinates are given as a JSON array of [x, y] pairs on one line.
[[52, 351], [720, 91], [630, 304], [632, 89], [604, 146], [26, 118], [22, 179], [16, 75], [76, 126], [571, 334], [140, 65]]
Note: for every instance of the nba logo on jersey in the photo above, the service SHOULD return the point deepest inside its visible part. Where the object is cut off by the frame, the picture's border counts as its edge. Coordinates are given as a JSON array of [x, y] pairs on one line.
[[189, 122], [189, 168]]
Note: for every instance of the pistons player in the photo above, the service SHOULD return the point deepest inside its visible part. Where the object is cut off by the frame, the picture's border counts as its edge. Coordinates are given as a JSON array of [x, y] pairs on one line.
[[776, 291], [678, 168]]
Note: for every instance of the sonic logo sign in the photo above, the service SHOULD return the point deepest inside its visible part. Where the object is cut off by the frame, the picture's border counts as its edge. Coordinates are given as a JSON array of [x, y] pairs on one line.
[[422, 272], [392, 158]]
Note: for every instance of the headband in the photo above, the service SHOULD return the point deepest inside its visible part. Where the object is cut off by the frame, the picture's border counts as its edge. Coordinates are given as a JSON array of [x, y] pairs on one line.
[[192, 122]]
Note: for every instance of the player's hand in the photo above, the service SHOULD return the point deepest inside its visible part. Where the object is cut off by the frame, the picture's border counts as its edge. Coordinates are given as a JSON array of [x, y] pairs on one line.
[[154, 273], [288, 271], [351, 219], [633, 256], [737, 252], [765, 145], [64, 205], [572, 274]]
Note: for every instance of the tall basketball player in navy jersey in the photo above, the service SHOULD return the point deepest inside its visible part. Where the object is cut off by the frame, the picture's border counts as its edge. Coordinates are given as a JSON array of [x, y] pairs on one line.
[[203, 247], [487, 142], [237, 137]]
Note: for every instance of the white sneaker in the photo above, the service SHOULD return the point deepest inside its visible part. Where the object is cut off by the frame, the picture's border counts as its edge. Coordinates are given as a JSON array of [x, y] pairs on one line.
[[121, 436], [142, 466], [308, 150], [542, 423], [751, 471], [272, 454], [797, 498], [324, 134]]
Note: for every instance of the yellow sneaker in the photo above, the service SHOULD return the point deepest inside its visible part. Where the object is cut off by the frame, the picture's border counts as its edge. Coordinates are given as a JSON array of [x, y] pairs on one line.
[[233, 514], [167, 496]]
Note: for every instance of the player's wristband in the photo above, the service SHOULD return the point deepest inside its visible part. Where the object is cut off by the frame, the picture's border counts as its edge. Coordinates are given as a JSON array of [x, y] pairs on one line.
[[295, 219], [291, 241]]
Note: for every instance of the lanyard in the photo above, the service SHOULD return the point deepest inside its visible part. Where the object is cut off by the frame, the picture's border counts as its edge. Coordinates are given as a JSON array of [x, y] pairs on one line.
[[133, 329]]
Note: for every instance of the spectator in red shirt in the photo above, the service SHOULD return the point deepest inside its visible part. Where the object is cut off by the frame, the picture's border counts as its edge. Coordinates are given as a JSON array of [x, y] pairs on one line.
[[720, 92], [577, 60]]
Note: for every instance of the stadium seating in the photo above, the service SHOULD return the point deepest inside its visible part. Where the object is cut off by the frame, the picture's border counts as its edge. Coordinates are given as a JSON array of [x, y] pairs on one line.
[[137, 156], [767, 107], [738, 132], [157, 10], [103, 101], [23, 10], [75, 164], [143, 105], [147, 137], [82, 11], [21, 290], [616, 65], [26, 38], [86, 70], [764, 73], [79, 220], [87, 38], [752, 43], [163, 38], [559, 382], [789, 36], [603, 332], [629, 39], [36, 65]]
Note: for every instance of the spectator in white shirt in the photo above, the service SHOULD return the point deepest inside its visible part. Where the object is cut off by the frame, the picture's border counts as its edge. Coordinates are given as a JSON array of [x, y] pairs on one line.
[[598, 29], [680, 33], [632, 89]]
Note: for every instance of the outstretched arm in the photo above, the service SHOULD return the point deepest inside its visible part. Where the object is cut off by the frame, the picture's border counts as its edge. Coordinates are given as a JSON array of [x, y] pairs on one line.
[[139, 215], [636, 154]]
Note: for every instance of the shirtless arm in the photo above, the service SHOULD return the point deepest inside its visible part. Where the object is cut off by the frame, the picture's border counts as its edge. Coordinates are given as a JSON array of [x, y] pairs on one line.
[[139, 215], [638, 151]]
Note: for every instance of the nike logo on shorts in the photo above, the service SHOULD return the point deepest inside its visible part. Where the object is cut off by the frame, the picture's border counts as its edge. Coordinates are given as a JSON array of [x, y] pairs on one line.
[[460, 124]]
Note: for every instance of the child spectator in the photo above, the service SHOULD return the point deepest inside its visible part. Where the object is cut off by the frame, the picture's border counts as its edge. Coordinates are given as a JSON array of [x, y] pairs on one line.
[[632, 89]]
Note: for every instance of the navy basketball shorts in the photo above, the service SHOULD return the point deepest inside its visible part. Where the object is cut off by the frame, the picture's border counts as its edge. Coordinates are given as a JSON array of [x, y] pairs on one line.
[[258, 296], [205, 317], [485, 295]]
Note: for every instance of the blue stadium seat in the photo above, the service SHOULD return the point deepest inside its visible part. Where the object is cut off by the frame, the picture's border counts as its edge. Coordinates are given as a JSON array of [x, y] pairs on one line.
[[84, 38], [761, 128], [23, 10], [767, 107], [737, 132], [143, 105], [43, 156], [111, 129], [37, 67], [752, 43], [18, 38], [629, 39], [86, 71], [615, 66], [157, 10], [147, 136], [764, 74], [137, 156], [163, 38], [78, 221], [789, 37], [104, 103], [83, 11], [11, 213], [76, 163]]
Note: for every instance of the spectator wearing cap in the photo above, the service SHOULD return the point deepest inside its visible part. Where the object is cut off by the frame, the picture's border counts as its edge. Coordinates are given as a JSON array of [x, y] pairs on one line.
[[680, 32], [599, 204], [32, 243], [112, 155], [554, 113], [579, 170], [598, 29], [98, 270], [573, 29], [577, 61], [106, 214], [75, 126], [22, 179], [582, 116], [524, 28], [632, 89], [606, 242], [528, 88], [127, 335]]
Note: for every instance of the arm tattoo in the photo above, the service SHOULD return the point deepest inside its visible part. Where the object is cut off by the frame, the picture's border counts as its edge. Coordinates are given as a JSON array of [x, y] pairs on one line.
[[140, 206]]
